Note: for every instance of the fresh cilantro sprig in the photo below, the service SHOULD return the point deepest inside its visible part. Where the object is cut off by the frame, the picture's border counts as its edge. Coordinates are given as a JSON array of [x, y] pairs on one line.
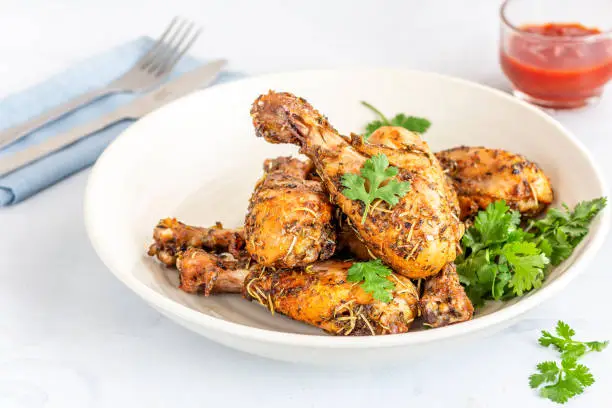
[[375, 172], [560, 382], [501, 260], [498, 260], [568, 347], [412, 123], [373, 275], [560, 231]]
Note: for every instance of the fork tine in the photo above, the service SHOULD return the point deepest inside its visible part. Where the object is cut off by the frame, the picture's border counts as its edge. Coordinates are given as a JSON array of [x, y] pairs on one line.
[[170, 63], [146, 59], [171, 48], [162, 49], [167, 48]]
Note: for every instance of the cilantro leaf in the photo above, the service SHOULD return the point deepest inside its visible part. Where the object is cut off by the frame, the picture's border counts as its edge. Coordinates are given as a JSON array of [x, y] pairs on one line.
[[375, 171], [597, 345], [501, 260], [412, 123], [496, 224], [355, 187], [478, 275], [548, 373], [564, 330], [568, 347], [560, 231], [557, 393], [548, 339], [527, 262], [373, 275], [392, 191], [571, 381], [560, 383], [583, 374]]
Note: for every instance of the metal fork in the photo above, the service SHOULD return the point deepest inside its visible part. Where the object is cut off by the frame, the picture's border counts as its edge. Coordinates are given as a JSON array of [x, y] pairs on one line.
[[149, 71]]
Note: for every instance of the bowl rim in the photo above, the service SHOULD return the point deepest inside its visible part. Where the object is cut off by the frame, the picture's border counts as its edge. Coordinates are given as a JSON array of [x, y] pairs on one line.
[[173, 308]]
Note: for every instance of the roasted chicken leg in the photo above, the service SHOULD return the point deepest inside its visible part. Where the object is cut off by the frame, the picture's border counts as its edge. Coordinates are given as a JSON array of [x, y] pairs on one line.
[[171, 237], [416, 237], [289, 222], [318, 295], [482, 176]]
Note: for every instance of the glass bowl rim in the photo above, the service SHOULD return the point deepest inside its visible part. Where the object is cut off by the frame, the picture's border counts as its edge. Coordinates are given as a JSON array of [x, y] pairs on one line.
[[584, 38]]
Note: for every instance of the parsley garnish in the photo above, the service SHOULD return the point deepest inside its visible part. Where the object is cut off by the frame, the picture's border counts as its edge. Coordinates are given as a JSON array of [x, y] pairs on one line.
[[373, 274], [561, 382], [375, 171], [500, 260], [412, 123]]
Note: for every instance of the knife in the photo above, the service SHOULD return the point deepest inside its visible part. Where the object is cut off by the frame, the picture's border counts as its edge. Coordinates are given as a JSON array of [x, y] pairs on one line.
[[183, 85]]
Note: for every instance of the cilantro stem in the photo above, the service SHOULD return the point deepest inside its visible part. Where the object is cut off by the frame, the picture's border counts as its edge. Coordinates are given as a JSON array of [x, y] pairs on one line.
[[365, 213], [376, 111]]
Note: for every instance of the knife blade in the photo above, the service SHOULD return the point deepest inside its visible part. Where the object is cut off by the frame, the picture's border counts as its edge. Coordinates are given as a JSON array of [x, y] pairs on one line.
[[181, 86]]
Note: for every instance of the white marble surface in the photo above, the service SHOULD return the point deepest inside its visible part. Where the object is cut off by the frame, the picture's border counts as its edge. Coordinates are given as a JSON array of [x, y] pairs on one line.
[[72, 336]]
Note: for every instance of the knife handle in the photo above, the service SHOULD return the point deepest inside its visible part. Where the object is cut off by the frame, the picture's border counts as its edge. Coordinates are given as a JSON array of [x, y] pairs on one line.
[[33, 153]]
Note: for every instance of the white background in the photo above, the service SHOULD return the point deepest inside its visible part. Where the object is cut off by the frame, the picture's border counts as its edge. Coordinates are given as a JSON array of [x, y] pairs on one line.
[[72, 336]]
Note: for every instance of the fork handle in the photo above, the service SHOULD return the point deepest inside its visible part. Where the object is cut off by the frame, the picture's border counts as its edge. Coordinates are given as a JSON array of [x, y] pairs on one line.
[[31, 154], [15, 133]]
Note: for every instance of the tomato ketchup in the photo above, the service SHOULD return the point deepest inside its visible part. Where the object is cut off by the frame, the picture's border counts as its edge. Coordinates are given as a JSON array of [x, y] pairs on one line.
[[561, 65]]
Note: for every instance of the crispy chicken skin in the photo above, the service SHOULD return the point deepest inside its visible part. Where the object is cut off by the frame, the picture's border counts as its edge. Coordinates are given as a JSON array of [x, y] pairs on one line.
[[318, 295], [171, 237], [321, 296], [444, 300], [416, 237], [482, 176], [289, 221]]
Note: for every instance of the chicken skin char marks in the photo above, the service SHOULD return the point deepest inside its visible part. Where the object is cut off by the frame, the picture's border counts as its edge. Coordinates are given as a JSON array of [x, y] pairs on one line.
[[319, 295], [417, 236], [289, 220], [171, 237], [482, 176]]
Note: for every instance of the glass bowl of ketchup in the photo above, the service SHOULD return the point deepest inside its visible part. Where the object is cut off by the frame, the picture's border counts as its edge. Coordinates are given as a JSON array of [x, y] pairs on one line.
[[557, 53]]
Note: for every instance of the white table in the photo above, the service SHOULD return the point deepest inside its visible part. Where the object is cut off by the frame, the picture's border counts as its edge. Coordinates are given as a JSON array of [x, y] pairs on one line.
[[71, 335]]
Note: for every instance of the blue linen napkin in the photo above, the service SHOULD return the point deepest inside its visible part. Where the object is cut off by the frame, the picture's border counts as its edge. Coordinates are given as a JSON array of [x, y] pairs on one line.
[[92, 73]]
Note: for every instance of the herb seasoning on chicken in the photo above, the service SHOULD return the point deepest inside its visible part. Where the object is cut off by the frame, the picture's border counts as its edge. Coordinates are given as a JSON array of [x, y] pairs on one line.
[[319, 294], [418, 235], [289, 222], [482, 176]]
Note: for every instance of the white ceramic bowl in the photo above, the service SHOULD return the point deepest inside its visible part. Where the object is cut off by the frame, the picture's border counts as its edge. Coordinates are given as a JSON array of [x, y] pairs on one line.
[[197, 159]]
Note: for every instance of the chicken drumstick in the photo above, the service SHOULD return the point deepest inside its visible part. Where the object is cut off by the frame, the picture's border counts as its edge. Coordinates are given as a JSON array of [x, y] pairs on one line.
[[416, 237]]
